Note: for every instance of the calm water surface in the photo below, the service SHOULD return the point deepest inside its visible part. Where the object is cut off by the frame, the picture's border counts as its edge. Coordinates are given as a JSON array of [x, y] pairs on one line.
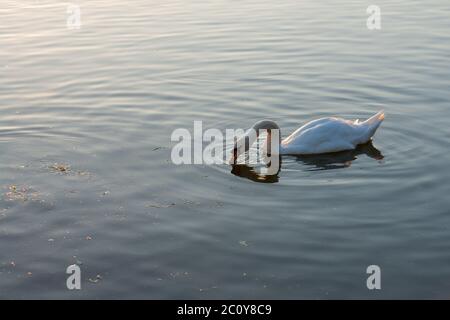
[[85, 170]]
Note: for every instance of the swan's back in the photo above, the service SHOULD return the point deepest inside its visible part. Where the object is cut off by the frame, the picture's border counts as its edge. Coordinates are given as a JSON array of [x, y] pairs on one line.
[[330, 135]]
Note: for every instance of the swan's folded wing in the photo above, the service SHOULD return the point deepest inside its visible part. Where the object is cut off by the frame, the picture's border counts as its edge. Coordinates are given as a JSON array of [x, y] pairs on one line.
[[321, 137]]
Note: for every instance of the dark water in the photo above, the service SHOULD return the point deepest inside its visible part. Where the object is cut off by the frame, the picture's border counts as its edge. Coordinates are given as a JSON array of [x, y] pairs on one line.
[[86, 175]]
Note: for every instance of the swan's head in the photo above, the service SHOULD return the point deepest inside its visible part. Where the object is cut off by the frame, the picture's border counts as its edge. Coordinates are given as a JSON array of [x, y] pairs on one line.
[[243, 144]]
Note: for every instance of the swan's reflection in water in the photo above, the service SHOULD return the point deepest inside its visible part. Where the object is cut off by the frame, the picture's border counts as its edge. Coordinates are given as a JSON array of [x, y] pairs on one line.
[[327, 161], [252, 173], [339, 160]]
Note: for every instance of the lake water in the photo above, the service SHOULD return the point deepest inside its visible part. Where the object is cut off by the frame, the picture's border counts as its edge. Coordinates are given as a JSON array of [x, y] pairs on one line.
[[86, 175]]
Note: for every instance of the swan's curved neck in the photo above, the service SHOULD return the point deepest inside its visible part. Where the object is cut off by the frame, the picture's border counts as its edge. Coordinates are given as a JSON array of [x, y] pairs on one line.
[[244, 143], [265, 124], [271, 127]]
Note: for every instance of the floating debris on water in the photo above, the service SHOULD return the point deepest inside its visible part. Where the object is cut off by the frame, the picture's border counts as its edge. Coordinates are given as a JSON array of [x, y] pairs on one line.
[[84, 174], [159, 205], [96, 279], [243, 243], [178, 274], [190, 202], [22, 193], [66, 169], [60, 167]]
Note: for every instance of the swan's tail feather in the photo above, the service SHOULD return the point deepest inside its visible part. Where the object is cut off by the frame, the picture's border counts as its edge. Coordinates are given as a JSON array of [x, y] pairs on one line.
[[373, 123], [377, 118]]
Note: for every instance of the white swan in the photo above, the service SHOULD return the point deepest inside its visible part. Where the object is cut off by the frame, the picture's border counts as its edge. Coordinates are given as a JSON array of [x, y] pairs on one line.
[[318, 136]]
